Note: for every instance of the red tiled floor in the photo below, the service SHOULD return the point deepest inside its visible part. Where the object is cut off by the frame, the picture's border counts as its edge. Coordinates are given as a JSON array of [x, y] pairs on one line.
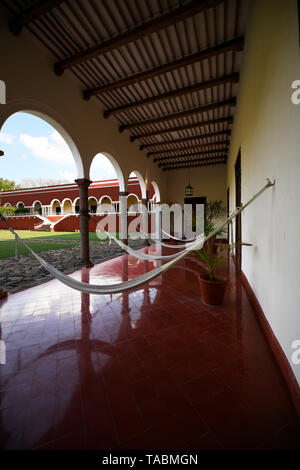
[[151, 368]]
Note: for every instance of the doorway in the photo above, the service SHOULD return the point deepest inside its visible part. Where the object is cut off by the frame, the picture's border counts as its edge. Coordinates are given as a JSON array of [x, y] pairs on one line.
[[238, 203], [194, 201]]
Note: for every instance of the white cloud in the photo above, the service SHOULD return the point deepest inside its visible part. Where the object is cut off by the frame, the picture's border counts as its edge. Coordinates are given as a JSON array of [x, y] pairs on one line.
[[52, 148], [24, 156], [6, 138], [68, 175], [102, 169]]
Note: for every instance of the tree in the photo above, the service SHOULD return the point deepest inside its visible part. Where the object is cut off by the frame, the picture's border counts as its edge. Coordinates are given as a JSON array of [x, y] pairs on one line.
[[8, 185]]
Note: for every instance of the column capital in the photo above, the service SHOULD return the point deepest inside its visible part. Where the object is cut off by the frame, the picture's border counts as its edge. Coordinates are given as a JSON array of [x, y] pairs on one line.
[[83, 182], [123, 193]]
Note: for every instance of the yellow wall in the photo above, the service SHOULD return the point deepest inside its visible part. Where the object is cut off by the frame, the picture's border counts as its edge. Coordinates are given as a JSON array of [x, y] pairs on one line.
[[207, 181], [267, 129]]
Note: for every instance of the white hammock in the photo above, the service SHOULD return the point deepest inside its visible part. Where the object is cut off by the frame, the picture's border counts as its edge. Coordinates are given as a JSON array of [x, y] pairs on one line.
[[167, 245], [124, 286], [178, 239]]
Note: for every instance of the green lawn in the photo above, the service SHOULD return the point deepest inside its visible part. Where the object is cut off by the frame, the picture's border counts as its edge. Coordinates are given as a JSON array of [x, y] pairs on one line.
[[33, 234], [7, 247], [39, 241]]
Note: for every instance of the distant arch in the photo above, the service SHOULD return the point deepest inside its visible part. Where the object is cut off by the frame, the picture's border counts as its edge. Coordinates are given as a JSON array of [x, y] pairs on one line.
[[37, 207], [20, 204], [67, 207], [76, 205], [132, 202], [92, 204], [55, 207], [105, 200]]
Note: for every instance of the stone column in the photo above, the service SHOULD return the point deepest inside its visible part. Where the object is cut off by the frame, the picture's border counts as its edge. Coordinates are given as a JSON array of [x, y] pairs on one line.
[[123, 216], [158, 223], [145, 218], [83, 184]]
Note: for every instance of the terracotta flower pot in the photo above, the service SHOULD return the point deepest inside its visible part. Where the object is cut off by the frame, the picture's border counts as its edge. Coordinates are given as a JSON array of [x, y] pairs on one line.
[[212, 292]]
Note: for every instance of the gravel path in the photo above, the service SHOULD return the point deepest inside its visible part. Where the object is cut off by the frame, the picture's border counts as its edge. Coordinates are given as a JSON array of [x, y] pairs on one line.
[[17, 275]]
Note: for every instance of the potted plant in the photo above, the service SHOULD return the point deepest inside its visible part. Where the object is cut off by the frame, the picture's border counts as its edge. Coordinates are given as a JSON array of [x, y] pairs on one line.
[[214, 210], [212, 287]]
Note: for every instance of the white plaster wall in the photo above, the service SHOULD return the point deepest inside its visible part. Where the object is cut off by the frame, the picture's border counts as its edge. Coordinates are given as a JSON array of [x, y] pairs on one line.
[[209, 181], [267, 128], [31, 85]]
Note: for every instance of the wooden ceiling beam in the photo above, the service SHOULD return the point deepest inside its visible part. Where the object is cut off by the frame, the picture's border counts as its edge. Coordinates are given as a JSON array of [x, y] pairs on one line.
[[31, 13], [189, 147], [232, 78], [145, 29], [187, 155], [185, 139], [181, 114], [194, 163], [212, 122], [236, 44]]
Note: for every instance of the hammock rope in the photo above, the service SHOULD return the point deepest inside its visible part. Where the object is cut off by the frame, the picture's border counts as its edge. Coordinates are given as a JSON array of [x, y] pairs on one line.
[[140, 280]]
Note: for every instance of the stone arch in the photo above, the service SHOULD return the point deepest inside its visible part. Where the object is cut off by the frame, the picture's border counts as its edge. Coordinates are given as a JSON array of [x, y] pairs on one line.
[[54, 205], [66, 206], [37, 207], [76, 205], [132, 200], [156, 191], [116, 166], [142, 183], [102, 199], [92, 204], [43, 111]]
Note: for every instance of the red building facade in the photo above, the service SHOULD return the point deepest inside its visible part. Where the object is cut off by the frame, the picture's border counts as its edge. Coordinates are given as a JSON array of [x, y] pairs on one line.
[[57, 207]]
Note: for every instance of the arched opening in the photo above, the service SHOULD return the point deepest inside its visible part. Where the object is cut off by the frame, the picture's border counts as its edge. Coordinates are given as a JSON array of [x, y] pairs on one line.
[[154, 190], [55, 207], [132, 203], [76, 205], [29, 135], [37, 207], [67, 206], [20, 205], [92, 205], [106, 205], [137, 175], [105, 167]]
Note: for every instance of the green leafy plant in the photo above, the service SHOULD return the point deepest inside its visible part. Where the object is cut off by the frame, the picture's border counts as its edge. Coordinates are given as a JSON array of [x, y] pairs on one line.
[[7, 210], [22, 210], [212, 259]]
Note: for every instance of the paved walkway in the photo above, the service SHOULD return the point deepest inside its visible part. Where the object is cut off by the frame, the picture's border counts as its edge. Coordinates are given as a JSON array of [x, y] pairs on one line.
[[17, 275], [153, 368]]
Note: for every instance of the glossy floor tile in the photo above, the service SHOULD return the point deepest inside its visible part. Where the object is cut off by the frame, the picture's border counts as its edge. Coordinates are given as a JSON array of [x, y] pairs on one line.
[[151, 368]]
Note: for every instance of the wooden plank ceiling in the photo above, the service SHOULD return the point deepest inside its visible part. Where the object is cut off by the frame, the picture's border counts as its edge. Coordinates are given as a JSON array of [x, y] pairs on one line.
[[166, 71]]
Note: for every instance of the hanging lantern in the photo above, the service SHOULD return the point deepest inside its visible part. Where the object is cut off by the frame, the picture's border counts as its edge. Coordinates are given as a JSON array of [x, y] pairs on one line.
[[188, 190]]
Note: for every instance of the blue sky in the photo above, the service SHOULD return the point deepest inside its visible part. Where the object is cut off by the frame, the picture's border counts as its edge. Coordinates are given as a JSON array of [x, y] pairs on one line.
[[34, 149]]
